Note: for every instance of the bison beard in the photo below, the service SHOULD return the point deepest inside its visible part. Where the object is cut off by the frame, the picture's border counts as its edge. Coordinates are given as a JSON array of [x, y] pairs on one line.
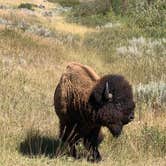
[[84, 103]]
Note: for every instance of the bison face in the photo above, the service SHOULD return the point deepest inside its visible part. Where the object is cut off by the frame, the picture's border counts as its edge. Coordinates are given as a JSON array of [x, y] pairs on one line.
[[113, 100], [126, 108], [111, 118]]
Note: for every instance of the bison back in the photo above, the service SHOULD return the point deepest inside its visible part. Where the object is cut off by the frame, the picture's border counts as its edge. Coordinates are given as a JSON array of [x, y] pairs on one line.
[[74, 88]]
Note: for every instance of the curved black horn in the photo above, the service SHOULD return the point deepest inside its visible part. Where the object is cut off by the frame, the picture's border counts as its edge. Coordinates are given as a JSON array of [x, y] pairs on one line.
[[108, 95]]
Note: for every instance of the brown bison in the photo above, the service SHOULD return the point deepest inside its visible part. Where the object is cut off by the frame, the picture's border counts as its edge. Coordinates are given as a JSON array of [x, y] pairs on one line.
[[84, 103]]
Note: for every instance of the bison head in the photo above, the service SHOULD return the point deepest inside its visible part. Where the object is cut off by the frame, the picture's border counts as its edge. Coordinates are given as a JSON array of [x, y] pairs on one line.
[[112, 99]]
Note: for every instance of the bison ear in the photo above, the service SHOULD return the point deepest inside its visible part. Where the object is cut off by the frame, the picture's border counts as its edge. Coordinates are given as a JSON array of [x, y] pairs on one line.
[[100, 95], [107, 94]]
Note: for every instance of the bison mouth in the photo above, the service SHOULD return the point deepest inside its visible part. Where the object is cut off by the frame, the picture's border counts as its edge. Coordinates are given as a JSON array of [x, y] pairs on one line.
[[128, 119], [115, 130]]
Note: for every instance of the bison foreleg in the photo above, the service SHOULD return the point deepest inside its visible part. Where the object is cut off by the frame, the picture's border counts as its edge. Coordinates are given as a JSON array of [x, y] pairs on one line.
[[91, 143], [94, 155], [69, 137]]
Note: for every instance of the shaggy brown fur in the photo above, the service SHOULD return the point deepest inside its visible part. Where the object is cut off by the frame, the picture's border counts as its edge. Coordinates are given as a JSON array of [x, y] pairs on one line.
[[84, 103]]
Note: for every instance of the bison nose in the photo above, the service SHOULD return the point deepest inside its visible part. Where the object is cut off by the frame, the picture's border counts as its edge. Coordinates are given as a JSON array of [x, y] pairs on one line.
[[131, 117]]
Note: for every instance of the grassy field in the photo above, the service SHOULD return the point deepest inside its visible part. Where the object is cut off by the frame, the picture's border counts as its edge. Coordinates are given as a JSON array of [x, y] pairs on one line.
[[35, 47]]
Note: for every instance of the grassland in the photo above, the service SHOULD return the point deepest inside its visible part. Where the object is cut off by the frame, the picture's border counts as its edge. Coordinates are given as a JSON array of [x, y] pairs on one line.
[[34, 50]]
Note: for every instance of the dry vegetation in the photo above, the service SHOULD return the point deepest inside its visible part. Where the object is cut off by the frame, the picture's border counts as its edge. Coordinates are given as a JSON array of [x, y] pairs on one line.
[[31, 62]]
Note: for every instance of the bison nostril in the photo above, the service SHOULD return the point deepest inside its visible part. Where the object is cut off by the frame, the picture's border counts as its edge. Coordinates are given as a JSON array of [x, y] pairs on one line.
[[131, 117]]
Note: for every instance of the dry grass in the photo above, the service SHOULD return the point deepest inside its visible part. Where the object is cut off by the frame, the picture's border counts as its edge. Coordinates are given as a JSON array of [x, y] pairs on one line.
[[56, 22], [62, 25], [30, 67], [18, 2]]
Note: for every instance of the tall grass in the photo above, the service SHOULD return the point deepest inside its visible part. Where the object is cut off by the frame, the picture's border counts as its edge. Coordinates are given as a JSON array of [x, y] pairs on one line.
[[30, 67]]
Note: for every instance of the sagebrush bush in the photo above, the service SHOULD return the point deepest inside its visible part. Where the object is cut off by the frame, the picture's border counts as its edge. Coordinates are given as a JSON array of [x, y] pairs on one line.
[[138, 47], [152, 92]]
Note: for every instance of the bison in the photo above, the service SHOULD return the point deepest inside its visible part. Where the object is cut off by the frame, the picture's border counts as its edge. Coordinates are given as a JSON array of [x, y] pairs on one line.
[[84, 103]]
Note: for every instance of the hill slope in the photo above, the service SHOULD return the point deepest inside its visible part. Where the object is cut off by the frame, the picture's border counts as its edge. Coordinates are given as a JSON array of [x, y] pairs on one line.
[[36, 45]]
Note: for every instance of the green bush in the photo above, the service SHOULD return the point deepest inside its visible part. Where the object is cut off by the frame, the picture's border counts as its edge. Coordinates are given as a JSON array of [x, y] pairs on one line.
[[91, 13], [92, 7], [150, 18], [117, 6], [29, 6]]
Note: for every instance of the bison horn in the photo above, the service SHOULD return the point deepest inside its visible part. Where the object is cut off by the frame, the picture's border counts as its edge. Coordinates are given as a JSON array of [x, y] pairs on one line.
[[108, 95]]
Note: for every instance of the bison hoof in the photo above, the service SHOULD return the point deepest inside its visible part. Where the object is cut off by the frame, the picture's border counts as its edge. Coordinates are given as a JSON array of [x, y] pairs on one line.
[[74, 154], [94, 158]]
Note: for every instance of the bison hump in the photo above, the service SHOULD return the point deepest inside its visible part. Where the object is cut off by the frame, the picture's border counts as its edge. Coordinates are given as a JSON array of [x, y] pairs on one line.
[[83, 70], [78, 80]]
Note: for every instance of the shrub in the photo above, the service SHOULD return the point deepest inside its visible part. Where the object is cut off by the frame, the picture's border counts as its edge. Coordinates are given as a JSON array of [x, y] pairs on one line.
[[152, 92], [117, 6], [92, 7], [139, 47], [29, 6], [151, 18], [91, 13]]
